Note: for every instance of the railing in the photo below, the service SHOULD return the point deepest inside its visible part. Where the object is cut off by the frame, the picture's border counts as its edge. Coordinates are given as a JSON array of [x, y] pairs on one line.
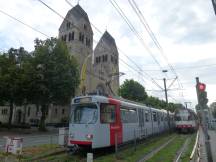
[[195, 154]]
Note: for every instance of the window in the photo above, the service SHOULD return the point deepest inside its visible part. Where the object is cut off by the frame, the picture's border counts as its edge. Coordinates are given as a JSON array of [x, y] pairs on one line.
[[105, 58], [68, 25], [88, 42], [146, 116], [29, 111], [128, 115], [56, 111], [154, 116], [107, 113], [111, 58], [63, 111], [84, 114], [71, 36], [84, 26], [4, 111], [82, 38]]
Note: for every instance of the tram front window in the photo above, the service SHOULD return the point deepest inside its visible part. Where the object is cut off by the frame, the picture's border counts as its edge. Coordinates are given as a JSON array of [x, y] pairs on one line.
[[84, 114]]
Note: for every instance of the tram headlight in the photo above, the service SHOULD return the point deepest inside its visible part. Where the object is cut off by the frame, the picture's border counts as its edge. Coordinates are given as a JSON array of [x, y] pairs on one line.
[[89, 136]]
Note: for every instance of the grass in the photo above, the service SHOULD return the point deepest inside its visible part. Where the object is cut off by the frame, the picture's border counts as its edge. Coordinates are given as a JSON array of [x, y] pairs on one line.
[[168, 153], [129, 155], [186, 156]]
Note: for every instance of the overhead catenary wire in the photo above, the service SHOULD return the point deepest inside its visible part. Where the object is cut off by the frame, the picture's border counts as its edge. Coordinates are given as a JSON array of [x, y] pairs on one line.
[[74, 25], [43, 33], [143, 21], [133, 29]]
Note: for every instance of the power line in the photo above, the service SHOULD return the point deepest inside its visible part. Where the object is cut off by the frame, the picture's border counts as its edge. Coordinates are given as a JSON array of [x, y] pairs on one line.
[[94, 40], [12, 17], [140, 15], [132, 28]]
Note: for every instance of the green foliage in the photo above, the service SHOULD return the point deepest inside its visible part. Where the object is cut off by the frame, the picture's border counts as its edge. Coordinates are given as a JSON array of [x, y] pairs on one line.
[[12, 78], [47, 76], [55, 75], [132, 90]]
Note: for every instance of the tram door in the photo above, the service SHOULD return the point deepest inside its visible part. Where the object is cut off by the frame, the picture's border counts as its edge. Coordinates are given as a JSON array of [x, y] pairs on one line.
[[116, 126], [141, 122]]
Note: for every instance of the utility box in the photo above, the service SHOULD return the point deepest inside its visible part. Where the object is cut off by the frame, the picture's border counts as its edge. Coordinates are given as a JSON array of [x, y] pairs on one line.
[[14, 145], [63, 136]]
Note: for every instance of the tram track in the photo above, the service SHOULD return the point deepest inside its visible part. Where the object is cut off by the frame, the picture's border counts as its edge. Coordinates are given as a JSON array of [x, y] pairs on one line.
[[80, 156]]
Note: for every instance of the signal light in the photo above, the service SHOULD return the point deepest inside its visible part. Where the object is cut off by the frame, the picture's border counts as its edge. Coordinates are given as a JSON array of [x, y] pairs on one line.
[[201, 87]]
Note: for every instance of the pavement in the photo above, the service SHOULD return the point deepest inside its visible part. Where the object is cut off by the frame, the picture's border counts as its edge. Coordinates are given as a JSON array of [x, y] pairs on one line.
[[30, 137], [212, 134]]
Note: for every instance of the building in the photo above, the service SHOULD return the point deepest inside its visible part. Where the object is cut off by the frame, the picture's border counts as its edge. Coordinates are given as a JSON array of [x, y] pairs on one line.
[[99, 68]]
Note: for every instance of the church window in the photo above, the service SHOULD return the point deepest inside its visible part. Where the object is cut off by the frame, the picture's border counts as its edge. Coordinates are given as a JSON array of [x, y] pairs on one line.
[[80, 36], [71, 36], [111, 58], [68, 25], [105, 58], [84, 26]]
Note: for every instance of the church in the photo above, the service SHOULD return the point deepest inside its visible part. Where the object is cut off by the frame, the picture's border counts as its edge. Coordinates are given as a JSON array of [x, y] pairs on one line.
[[99, 68]]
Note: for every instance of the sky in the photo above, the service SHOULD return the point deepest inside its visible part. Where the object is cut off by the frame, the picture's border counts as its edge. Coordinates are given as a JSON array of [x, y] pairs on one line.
[[185, 30]]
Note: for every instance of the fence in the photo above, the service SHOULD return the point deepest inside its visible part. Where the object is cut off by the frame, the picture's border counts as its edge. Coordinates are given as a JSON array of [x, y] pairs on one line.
[[195, 155]]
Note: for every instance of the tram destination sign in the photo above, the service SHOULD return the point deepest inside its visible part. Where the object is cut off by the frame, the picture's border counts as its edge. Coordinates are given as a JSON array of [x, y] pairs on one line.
[[82, 100]]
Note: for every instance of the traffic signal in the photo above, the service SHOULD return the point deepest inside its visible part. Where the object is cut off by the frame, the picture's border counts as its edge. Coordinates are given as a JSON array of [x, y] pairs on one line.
[[202, 94]]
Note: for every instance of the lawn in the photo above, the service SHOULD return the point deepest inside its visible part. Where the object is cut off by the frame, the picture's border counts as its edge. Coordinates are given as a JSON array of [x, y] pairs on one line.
[[168, 153], [129, 155]]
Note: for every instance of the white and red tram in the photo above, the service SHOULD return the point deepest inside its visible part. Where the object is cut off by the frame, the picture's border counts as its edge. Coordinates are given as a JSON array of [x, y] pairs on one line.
[[185, 120], [97, 121]]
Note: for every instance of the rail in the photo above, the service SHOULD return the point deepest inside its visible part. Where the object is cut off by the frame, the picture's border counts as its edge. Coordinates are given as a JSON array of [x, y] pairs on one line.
[[195, 154]]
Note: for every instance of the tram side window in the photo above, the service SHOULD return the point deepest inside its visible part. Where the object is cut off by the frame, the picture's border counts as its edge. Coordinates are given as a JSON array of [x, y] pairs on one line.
[[128, 115], [107, 113], [147, 116], [154, 116]]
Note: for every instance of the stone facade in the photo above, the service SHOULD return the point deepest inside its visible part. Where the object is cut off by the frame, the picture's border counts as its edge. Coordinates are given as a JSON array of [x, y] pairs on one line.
[[102, 72], [106, 65]]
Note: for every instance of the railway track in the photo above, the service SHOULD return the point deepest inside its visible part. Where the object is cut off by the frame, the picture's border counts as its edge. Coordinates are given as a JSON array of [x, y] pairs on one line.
[[80, 156]]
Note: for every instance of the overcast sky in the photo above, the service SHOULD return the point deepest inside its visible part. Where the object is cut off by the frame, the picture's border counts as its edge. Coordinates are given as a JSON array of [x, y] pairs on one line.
[[185, 29]]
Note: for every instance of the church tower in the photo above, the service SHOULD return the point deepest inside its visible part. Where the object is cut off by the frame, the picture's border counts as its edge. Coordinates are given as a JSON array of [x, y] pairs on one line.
[[76, 31], [106, 65]]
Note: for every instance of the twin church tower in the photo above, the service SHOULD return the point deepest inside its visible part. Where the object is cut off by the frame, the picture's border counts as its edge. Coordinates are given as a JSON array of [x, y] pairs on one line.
[[99, 68]]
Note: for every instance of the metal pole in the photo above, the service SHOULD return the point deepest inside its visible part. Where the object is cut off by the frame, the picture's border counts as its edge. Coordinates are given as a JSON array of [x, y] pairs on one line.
[[165, 90], [204, 123]]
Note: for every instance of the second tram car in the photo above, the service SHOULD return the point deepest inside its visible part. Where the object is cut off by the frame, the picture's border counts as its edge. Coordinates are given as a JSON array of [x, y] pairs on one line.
[[99, 121], [185, 120]]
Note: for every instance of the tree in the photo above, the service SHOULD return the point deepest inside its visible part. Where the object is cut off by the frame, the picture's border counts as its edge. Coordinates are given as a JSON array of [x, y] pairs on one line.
[[132, 90], [11, 78], [53, 76]]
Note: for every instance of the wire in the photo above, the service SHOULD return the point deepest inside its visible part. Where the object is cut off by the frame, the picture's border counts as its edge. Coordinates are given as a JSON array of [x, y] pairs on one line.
[[24, 23], [94, 40]]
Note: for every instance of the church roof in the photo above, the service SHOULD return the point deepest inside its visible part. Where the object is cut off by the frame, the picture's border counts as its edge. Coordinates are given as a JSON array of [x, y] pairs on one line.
[[78, 12], [108, 38]]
